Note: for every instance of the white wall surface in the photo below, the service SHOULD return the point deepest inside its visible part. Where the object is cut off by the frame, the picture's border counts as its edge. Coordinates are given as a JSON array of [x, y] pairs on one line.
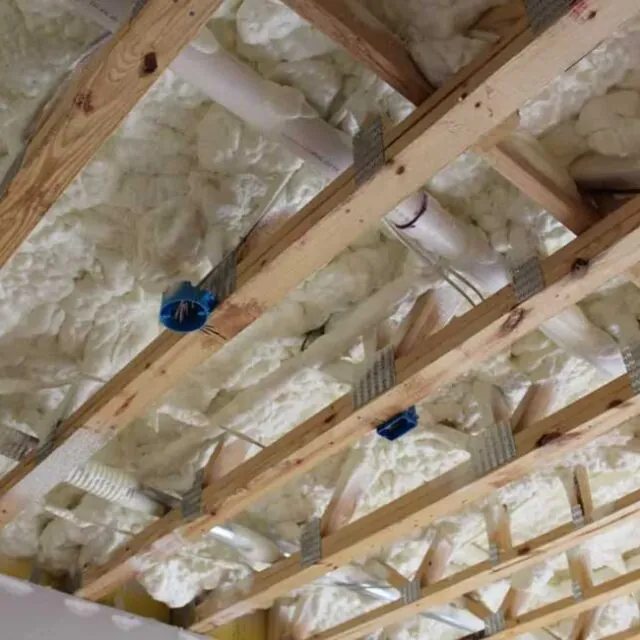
[[29, 612]]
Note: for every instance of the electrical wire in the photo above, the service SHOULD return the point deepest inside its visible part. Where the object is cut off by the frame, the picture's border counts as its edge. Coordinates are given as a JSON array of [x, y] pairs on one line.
[[427, 257], [265, 210]]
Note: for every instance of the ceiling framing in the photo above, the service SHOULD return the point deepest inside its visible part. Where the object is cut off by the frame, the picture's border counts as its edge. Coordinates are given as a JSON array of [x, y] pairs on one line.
[[473, 110]]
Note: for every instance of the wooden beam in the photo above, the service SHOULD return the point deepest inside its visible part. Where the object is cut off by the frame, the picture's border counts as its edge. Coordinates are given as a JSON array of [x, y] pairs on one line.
[[569, 608], [96, 99], [475, 606], [579, 490], [462, 345], [423, 319], [499, 535], [351, 484], [535, 405], [435, 560], [499, 529], [226, 457], [572, 211], [527, 555], [568, 207], [514, 602], [544, 443], [278, 627], [580, 572], [275, 265], [273, 270], [386, 572], [368, 41]]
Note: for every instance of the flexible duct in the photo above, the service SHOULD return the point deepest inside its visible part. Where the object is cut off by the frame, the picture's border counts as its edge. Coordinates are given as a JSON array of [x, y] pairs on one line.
[[112, 485]]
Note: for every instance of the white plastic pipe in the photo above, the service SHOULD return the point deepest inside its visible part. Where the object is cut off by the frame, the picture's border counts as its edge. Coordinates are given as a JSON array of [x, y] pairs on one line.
[[573, 331]]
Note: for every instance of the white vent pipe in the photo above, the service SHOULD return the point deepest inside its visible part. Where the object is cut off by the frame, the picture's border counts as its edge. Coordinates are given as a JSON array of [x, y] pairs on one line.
[[283, 112]]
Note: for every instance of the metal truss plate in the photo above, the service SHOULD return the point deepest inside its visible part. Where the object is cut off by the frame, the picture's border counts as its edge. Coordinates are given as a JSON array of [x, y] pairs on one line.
[[57, 417], [15, 444], [494, 624], [222, 280], [492, 448], [410, 591], [368, 150], [380, 377], [631, 357], [576, 591], [527, 278], [577, 516], [494, 554], [543, 13], [191, 504], [311, 543], [47, 444]]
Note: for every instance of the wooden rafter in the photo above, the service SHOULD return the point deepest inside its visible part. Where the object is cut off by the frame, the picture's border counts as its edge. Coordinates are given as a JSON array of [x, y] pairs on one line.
[[97, 97], [544, 443], [435, 560], [462, 345], [369, 41], [534, 406], [526, 555], [570, 608], [269, 269], [576, 214], [580, 572], [423, 319]]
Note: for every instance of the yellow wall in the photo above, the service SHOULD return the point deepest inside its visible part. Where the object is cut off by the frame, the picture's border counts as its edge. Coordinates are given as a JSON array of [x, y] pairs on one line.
[[251, 627]]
